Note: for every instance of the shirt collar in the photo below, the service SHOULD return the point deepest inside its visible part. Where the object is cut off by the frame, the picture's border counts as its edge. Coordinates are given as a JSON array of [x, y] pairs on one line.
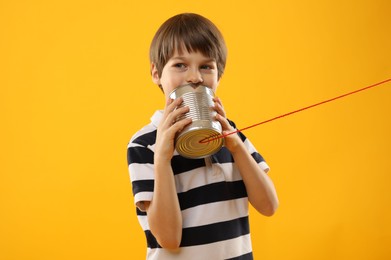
[[157, 116]]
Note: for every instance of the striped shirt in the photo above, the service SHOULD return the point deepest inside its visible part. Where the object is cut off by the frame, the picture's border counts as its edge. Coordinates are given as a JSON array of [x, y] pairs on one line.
[[211, 194]]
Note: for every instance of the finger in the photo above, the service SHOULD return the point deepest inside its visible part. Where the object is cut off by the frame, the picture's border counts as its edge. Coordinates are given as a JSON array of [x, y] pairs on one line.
[[179, 125], [224, 123], [218, 106], [171, 105], [218, 101], [178, 113], [173, 126], [169, 101], [172, 117]]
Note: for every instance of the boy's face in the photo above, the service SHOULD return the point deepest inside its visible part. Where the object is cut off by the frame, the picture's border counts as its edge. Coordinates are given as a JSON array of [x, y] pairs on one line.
[[184, 68]]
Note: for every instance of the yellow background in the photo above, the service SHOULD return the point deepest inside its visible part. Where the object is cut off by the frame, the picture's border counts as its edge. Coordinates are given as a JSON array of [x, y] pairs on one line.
[[75, 86]]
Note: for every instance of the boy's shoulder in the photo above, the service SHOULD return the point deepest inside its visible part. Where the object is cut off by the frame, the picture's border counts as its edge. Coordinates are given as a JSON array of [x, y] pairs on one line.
[[146, 136]]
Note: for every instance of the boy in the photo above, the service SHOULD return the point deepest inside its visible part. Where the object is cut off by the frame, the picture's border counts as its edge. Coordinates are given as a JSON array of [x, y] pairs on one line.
[[194, 208]]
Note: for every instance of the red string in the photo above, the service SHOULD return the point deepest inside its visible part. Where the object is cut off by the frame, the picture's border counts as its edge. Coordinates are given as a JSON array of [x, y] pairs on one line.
[[209, 139]]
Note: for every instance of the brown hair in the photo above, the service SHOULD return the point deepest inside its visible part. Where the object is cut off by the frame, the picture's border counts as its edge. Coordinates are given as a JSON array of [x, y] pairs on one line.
[[193, 32]]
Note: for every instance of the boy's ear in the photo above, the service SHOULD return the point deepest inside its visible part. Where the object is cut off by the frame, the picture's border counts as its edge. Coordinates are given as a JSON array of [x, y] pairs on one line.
[[155, 74]]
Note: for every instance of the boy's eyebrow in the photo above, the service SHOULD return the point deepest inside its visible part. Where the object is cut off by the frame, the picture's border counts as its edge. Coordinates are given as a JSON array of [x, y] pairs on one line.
[[210, 60], [184, 58]]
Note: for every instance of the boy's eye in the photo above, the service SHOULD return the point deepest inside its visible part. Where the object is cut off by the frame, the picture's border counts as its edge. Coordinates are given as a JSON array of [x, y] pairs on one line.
[[180, 65], [207, 67]]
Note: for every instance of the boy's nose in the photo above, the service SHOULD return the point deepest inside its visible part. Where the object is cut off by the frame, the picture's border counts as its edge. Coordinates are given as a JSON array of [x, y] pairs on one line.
[[194, 76]]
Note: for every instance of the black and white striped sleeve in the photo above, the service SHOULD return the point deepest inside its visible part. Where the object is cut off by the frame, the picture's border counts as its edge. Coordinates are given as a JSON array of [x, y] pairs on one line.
[[141, 170], [251, 148]]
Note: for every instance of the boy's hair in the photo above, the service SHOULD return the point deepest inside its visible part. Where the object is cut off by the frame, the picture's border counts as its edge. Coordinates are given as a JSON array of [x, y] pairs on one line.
[[193, 32]]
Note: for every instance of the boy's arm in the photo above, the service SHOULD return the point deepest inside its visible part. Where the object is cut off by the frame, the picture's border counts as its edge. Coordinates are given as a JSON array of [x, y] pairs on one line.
[[163, 211], [260, 188]]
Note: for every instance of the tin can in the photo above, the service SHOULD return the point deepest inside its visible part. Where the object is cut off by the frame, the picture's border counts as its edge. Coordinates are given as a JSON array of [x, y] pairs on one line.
[[188, 143]]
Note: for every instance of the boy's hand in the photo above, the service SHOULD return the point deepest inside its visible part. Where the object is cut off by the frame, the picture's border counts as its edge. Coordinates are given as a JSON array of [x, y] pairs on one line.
[[231, 141], [167, 129]]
